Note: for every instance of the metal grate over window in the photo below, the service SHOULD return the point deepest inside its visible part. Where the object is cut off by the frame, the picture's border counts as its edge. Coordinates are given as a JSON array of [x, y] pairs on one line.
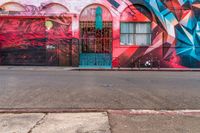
[[93, 40]]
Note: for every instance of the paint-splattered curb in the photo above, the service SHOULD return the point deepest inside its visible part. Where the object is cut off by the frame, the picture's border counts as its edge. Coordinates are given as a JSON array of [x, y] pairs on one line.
[[155, 112]]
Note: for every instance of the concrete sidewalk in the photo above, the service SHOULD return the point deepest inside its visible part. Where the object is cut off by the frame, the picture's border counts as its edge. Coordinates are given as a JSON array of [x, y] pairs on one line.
[[54, 68], [54, 123], [154, 121], [102, 122]]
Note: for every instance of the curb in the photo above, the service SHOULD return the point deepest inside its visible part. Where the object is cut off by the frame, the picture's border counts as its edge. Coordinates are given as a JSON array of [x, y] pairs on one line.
[[46, 110], [143, 69], [27, 68], [113, 111], [155, 112]]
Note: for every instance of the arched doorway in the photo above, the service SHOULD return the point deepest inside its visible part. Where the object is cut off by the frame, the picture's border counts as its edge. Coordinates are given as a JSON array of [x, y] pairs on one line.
[[44, 38], [96, 37], [58, 23], [21, 37]]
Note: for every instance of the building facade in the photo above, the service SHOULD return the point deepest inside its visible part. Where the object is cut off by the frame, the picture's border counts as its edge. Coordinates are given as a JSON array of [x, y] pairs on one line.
[[100, 33]]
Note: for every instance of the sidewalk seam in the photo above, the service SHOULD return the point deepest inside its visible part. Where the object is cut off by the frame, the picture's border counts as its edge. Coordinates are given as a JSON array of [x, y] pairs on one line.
[[39, 122], [109, 122]]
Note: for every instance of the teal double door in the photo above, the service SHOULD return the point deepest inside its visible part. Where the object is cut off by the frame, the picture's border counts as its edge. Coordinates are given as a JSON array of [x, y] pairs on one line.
[[95, 45], [95, 60]]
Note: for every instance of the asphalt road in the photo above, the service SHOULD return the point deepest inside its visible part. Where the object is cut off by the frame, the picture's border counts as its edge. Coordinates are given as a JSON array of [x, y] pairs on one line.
[[99, 90]]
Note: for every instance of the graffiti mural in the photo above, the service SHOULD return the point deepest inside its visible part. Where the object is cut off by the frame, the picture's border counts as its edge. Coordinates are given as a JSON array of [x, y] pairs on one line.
[[180, 19], [36, 41], [30, 38], [175, 35], [48, 29]]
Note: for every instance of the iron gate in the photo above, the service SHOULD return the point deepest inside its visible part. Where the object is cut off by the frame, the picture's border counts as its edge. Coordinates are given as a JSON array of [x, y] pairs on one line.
[[96, 45]]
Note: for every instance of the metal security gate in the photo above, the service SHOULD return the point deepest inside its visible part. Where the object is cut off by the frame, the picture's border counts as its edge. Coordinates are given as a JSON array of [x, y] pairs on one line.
[[96, 45], [59, 53], [22, 41], [23, 56]]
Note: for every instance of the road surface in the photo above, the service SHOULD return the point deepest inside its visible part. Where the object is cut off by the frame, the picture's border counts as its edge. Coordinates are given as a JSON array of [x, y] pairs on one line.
[[99, 90]]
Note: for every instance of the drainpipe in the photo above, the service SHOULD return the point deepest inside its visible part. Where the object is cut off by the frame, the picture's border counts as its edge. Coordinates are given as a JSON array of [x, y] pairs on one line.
[[119, 65], [139, 64]]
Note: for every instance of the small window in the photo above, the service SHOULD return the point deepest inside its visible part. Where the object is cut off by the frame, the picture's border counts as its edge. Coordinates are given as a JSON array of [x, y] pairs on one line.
[[136, 34]]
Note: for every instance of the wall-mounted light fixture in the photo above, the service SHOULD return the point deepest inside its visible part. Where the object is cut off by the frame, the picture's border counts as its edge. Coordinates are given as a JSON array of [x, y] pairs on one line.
[[48, 25]]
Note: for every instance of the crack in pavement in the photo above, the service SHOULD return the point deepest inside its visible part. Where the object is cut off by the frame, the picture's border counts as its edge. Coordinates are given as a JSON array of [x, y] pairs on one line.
[[39, 122]]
